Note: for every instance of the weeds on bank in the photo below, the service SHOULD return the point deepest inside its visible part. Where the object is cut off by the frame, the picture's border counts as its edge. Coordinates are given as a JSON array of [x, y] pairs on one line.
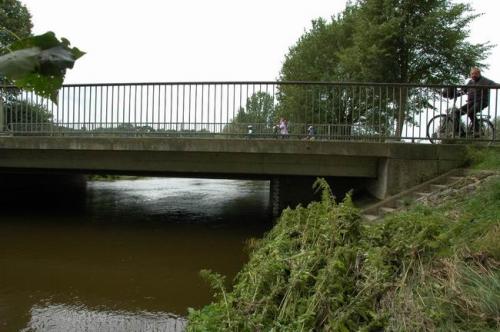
[[484, 158], [321, 269]]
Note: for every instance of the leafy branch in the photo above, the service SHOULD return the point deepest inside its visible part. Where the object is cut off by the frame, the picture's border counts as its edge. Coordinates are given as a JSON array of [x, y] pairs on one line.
[[10, 33], [39, 63]]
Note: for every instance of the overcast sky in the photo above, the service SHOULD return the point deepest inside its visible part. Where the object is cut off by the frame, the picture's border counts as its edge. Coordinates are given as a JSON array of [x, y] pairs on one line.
[[199, 40]]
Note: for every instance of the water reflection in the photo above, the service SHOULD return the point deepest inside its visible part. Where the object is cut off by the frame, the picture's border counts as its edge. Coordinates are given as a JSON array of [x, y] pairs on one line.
[[130, 249], [181, 200], [63, 318]]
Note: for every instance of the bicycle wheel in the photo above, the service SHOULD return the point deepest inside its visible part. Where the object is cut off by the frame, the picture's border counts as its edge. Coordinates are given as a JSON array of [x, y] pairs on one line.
[[487, 131], [440, 129]]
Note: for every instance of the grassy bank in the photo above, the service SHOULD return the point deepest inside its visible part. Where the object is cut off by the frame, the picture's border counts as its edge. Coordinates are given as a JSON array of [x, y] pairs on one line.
[[433, 267]]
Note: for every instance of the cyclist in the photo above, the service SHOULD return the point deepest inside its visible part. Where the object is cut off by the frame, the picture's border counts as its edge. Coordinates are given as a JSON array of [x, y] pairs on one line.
[[477, 99]]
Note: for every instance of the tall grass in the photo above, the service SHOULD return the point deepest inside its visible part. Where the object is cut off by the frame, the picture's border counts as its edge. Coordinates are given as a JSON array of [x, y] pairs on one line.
[[484, 158]]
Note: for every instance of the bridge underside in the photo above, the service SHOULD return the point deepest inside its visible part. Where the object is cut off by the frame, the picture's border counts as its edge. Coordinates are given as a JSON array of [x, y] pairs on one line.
[[381, 168]]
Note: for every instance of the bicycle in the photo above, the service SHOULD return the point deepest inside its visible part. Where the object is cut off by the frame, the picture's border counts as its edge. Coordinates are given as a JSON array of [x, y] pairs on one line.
[[441, 128]]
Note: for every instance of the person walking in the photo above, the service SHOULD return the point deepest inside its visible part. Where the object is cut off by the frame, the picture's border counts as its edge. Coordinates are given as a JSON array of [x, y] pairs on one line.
[[311, 132], [283, 126]]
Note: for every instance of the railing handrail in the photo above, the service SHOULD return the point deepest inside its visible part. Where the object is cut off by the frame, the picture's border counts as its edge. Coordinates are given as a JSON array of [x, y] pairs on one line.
[[326, 83]]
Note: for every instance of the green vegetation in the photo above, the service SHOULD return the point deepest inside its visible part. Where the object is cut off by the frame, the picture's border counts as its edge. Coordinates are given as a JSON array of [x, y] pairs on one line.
[[320, 268], [22, 114], [259, 110], [33, 63], [15, 22], [486, 158], [39, 63], [386, 41]]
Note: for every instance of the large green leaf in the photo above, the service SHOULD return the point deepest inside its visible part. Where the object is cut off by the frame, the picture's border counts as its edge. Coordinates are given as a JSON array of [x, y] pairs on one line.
[[39, 63], [18, 64]]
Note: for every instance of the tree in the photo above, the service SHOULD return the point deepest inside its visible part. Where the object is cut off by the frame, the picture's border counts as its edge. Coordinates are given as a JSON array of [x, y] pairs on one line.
[[315, 55], [23, 115], [394, 41], [259, 110], [412, 41], [408, 41], [15, 23]]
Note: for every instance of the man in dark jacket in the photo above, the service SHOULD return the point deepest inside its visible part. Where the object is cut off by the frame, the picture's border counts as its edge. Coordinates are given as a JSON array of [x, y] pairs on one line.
[[478, 98]]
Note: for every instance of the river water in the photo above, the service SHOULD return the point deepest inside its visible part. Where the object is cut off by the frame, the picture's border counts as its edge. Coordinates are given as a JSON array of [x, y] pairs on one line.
[[126, 255]]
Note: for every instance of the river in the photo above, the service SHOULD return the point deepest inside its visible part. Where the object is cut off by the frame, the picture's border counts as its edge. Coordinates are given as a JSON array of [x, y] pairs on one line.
[[126, 255]]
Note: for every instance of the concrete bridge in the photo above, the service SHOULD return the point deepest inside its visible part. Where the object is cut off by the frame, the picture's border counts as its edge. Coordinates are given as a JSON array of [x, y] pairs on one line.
[[227, 130], [291, 165]]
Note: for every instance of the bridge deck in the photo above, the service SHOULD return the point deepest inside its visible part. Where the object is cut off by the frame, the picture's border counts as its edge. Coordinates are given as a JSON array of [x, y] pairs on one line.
[[197, 156]]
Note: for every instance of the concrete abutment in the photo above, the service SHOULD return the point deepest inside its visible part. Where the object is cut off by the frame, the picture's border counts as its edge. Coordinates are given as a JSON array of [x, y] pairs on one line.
[[399, 170]]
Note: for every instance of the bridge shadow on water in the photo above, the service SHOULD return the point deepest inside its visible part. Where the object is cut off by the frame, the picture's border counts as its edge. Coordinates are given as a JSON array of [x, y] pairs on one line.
[[42, 194], [143, 201]]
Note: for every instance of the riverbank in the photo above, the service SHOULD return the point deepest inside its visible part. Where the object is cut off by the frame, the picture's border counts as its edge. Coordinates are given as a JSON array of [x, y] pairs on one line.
[[435, 266]]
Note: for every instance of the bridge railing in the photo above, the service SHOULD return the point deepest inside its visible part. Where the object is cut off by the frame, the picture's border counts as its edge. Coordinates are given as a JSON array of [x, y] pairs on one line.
[[334, 110]]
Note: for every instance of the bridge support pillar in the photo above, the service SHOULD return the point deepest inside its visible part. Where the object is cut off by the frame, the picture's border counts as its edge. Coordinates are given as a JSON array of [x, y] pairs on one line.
[[2, 116], [289, 191]]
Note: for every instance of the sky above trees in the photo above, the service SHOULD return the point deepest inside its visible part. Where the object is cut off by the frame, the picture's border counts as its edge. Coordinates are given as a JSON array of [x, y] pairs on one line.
[[196, 40]]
